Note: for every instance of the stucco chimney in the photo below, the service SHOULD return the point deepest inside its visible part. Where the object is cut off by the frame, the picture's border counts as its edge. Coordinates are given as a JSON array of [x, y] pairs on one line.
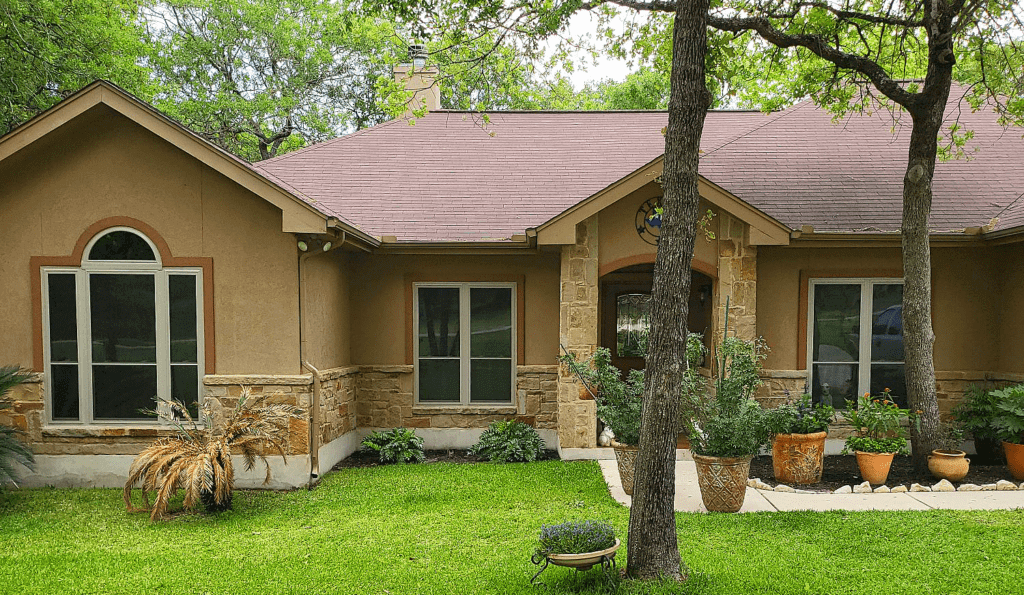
[[420, 79]]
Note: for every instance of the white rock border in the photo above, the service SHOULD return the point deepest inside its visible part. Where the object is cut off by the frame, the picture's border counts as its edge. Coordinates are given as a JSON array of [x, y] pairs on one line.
[[865, 488]]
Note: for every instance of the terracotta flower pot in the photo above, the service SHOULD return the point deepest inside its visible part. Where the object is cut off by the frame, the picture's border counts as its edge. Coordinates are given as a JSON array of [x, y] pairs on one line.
[[797, 458], [949, 464], [1015, 459], [874, 466], [625, 456], [723, 481]]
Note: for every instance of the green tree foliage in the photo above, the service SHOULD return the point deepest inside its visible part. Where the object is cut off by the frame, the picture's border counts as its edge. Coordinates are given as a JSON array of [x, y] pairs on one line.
[[260, 77], [51, 48]]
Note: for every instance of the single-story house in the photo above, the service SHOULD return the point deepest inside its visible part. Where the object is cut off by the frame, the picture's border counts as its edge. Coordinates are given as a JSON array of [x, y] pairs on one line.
[[428, 272]]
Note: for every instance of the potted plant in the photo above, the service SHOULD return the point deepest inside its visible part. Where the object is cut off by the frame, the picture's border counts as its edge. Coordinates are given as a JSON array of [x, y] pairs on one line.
[[798, 446], [576, 544], [948, 461], [878, 434], [975, 414], [1009, 423], [618, 405], [728, 428]]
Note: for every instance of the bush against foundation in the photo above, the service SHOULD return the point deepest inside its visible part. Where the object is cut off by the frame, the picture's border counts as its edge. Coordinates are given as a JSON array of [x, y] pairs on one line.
[[12, 452], [509, 441], [198, 459], [397, 445]]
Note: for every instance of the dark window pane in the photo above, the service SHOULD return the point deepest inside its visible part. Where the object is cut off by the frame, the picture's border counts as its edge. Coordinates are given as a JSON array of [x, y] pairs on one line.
[[490, 380], [182, 290], [439, 379], [63, 324], [889, 376], [834, 383], [123, 318], [887, 323], [64, 391], [836, 323], [185, 387], [632, 324], [121, 245], [119, 392], [439, 321], [490, 322]]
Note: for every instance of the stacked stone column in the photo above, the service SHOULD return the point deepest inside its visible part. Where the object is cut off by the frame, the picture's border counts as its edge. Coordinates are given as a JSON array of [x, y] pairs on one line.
[[578, 312]]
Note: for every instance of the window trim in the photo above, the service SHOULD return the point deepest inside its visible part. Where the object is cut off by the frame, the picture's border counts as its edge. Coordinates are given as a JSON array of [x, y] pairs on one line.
[[866, 299], [465, 357], [201, 266]]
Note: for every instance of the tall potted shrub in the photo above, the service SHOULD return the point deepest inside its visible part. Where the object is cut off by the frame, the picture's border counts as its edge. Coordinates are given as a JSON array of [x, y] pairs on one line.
[[878, 434], [798, 447], [618, 405], [728, 428], [1009, 423]]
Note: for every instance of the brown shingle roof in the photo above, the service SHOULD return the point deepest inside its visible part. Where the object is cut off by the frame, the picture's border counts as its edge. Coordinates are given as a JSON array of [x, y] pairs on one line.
[[449, 177]]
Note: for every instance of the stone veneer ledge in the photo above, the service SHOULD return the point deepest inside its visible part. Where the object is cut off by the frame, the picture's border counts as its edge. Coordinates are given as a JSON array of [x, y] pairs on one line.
[[246, 379]]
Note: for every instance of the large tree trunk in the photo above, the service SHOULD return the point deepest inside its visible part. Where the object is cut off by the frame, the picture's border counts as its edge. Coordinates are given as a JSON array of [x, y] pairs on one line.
[[918, 336], [653, 549]]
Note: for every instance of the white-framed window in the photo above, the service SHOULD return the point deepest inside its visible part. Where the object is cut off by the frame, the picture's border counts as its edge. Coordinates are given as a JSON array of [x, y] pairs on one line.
[[120, 331], [855, 343], [465, 342]]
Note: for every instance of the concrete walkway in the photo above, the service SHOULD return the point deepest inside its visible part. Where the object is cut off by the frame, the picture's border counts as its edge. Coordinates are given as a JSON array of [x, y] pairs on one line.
[[688, 497]]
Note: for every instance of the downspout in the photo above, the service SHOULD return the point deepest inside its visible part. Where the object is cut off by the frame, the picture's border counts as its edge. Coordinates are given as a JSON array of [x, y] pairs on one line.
[[314, 408]]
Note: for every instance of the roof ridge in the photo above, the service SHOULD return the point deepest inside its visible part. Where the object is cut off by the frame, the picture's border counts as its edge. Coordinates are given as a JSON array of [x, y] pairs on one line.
[[331, 141], [777, 116]]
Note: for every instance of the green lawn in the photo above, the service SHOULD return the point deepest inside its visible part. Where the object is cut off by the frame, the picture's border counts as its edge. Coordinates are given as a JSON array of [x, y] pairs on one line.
[[446, 528]]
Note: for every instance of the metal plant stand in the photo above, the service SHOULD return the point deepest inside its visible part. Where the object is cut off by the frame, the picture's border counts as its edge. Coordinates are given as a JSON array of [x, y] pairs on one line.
[[604, 559]]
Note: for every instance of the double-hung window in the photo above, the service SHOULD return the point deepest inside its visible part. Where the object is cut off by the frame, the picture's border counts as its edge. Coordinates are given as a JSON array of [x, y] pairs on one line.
[[120, 331], [856, 341], [465, 342]]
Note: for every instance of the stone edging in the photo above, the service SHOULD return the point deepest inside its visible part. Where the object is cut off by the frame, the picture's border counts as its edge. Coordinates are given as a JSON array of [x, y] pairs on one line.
[[865, 488]]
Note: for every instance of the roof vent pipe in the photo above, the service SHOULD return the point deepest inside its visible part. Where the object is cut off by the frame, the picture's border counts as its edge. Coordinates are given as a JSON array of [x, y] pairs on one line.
[[418, 55]]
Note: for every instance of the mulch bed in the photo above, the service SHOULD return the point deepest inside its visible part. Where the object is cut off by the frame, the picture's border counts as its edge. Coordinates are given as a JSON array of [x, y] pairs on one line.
[[372, 459], [842, 470]]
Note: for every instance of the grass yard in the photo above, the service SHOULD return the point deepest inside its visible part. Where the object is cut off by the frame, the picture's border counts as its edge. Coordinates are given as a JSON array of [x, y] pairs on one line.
[[447, 528]]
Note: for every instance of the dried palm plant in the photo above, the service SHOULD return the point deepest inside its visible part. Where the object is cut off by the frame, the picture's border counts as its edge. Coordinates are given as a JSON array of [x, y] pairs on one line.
[[198, 459], [12, 451]]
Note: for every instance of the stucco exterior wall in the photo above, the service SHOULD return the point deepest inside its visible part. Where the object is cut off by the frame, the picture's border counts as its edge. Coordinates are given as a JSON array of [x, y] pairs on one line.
[[620, 243], [325, 310], [1009, 262], [102, 165], [965, 293], [379, 302]]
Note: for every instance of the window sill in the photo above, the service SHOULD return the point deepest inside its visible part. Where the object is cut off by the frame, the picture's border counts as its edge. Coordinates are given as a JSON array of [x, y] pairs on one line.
[[462, 408], [96, 431]]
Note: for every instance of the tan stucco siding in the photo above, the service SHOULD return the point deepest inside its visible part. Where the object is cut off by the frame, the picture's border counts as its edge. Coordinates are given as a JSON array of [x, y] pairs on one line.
[[102, 165], [379, 301], [965, 299], [325, 310], [620, 244], [1010, 268]]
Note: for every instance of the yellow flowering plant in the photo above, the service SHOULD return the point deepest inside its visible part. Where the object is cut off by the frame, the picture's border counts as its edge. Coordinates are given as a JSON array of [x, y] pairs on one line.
[[877, 423]]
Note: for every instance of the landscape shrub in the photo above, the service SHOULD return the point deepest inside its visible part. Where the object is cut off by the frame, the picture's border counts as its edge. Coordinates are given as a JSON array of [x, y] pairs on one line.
[[509, 441]]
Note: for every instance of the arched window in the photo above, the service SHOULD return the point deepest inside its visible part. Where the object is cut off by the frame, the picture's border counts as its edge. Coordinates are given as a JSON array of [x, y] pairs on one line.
[[121, 331]]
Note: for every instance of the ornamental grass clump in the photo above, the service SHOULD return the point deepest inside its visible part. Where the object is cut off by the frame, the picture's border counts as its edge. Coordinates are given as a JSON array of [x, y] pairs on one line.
[[12, 451], [397, 445], [509, 441], [575, 537], [877, 424], [198, 459]]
